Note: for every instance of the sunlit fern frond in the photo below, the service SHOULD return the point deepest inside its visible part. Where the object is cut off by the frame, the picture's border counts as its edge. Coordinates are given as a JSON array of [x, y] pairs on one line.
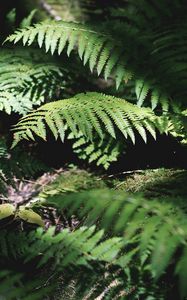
[[99, 50], [178, 126], [154, 55], [90, 113]]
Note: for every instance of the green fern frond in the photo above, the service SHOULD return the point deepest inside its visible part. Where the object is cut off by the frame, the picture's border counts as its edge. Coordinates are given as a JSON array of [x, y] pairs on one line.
[[120, 51], [178, 126], [14, 285], [100, 151], [144, 224], [89, 113], [137, 228], [84, 249], [27, 78], [71, 255], [99, 50], [18, 163]]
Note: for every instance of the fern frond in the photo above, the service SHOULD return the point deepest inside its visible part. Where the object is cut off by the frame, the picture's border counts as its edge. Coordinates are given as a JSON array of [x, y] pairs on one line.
[[134, 48], [143, 224], [72, 256], [99, 50], [178, 126], [86, 245], [84, 249], [89, 113], [27, 79], [128, 236], [100, 151], [18, 163], [14, 285]]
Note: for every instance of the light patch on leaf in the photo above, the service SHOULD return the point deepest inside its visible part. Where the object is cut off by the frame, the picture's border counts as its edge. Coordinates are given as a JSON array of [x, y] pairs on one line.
[[30, 216], [6, 210]]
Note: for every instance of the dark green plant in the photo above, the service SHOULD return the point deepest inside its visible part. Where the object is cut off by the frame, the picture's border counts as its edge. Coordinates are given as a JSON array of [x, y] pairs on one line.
[[129, 237], [135, 246]]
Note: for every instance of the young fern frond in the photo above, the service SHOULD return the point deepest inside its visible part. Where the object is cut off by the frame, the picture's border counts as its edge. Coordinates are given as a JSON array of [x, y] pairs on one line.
[[91, 113]]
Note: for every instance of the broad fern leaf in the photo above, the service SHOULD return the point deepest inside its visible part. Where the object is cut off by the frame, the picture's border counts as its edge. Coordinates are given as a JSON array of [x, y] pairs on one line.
[[89, 113], [97, 49]]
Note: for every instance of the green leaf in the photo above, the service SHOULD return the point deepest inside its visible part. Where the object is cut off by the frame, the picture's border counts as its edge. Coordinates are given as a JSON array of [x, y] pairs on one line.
[[30, 216], [6, 210]]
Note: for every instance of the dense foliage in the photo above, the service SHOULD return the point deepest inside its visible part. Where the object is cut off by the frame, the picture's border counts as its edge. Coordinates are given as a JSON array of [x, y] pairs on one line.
[[100, 86]]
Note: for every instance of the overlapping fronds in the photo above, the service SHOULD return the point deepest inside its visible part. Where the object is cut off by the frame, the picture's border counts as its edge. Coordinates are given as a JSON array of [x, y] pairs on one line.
[[145, 227], [136, 246], [14, 285], [82, 251], [27, 78], [130, 234], [155, 55], [90, 113], [100, 50], [79, 247], [178, 126], [162, 58]]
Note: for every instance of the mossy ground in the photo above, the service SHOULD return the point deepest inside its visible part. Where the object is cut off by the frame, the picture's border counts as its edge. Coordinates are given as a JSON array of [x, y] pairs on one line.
[[152, 183], [162, 184], [75, 180], [156, 182]]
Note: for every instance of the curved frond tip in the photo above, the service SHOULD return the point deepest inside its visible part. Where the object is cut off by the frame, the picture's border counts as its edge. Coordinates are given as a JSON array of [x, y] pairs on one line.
[[98, 49]]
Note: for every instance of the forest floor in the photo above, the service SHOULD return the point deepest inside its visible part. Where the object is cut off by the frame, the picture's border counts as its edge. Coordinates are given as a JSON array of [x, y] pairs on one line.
[[162, 184], [152, 183]]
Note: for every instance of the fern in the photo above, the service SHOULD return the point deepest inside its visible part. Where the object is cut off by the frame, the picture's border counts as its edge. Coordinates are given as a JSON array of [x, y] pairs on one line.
[[120, 57], [67, 248], [56, 35], [133, 244], [39, 79], [178, 126], [102, 152], [146, 225], [15, 285], [87, 113], [81, 252], [129, 236]]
